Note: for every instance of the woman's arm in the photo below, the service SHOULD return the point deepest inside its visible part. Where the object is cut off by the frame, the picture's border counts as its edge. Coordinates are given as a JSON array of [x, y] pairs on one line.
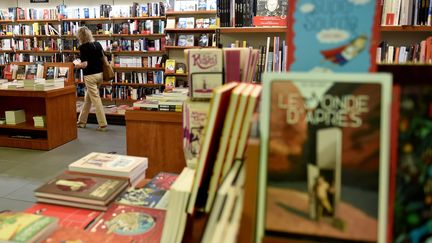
[[81, 65]]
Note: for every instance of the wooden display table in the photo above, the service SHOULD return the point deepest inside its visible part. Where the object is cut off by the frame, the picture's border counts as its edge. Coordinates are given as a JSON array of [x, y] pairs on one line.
[[58, 105], [158, 136]]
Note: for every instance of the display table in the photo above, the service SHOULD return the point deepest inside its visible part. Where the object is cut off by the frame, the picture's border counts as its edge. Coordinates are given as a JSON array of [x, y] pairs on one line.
[[158, 136], [58, 105]]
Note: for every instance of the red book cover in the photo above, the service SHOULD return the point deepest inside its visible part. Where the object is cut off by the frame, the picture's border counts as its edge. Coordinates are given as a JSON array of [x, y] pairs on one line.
[[393, 158], [271, 13], [332, 36], [67, 234], [68, 216], [162, 181], [232, 65], [131, 224]]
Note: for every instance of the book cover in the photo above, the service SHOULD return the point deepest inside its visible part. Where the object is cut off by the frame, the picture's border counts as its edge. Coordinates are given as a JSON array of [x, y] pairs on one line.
[[146, 197], [63, 72], [205, 72], [25, 227], [162, 181], [31, 71], [21, 72], [50, 72], [170, 83], [82, 188], [109, 164], [69, 235], [337, 152], [132, 224], [194, 118], [332, 36], [170, 66], [271, 13], [68, 216]]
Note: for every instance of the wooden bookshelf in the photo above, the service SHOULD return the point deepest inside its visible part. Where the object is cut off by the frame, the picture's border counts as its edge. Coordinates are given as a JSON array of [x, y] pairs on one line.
[[198, 12], [188, 47], [37, 36], [408, 28], [138, 35], [138, 69], [138, 85], [241, 30], [138, 18], [112, 19], [177, 74], [86, 19], [21, 21], [158, 136], [58, 105], [146, 53], [192, 30], [6, 51], [6, 36]]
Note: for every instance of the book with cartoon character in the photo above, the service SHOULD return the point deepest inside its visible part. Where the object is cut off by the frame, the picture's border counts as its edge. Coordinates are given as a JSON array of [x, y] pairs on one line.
[[332, 35]]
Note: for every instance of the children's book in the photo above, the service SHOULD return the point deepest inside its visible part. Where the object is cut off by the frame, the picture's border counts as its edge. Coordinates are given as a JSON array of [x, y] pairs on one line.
[[332, 35], [68, 216], [131, 224], [325, 141], [25, 227]]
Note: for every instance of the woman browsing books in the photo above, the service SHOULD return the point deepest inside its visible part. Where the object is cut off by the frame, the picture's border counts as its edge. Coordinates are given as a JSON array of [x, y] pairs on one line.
[[91, 53]]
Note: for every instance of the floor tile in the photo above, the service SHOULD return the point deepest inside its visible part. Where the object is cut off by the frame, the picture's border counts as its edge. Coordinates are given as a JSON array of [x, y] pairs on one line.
[[25, 193], [11, 184], [14, 205]]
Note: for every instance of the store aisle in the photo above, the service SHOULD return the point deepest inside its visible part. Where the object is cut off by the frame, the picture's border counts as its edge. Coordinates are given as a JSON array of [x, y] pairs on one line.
[[23, 170]]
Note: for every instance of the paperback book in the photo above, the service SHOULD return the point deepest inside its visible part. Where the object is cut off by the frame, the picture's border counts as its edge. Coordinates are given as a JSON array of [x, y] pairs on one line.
[[332, 35], [324, 145], [131, 224]]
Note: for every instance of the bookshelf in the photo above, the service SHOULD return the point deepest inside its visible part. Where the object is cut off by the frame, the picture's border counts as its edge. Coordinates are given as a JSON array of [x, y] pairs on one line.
[[177, 74], [241, 30], [58, 105], [199, 12], [192, 30], [188, 47], [408, 28], [138, 69]]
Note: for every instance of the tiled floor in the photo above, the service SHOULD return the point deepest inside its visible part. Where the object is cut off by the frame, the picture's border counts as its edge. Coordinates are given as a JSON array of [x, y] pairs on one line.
[[23, 170]]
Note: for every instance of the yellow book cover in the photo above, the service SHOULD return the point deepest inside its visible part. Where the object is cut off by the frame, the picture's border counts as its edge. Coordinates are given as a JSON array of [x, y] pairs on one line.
[[23, 227], [170, 82], [170, 66]]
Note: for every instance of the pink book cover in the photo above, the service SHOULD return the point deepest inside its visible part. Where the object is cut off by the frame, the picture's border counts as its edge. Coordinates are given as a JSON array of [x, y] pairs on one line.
[[232, 66], [131, 224], [68, 216]]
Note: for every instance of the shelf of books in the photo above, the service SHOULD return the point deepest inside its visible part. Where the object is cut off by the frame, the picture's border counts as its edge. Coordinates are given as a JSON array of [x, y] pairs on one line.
[[191, 30], [135, 52], [408, 28], [138, 68], [197, 12], [229, 30], [188, 47]]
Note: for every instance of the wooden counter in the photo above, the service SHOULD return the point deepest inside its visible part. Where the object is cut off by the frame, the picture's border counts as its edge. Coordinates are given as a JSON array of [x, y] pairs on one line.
[[58, 105], [158, 136]]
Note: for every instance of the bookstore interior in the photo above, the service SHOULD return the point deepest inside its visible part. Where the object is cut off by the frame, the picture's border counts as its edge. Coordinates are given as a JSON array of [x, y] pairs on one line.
[[231, 112]]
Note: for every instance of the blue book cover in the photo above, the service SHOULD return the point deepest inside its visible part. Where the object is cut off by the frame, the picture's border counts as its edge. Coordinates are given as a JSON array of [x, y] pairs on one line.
[[332, 35]]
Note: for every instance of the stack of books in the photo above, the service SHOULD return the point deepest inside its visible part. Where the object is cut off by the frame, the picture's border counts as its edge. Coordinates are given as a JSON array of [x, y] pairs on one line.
[[167, 101], [81, 190], [29, 83], [25, 227], [122, 166], [15, 117], [175, 222], [39, 121]]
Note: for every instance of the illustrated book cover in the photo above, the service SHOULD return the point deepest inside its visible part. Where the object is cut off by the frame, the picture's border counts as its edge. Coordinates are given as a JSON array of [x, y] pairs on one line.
[[132, 224], [31, 71], [271, 13], [145, 197], [68, 216], [194, 118], [162, 181], [325, 142], [205, 71], [75, 235], [25, 227], [109, 164], [332, 35], [82, 188]]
